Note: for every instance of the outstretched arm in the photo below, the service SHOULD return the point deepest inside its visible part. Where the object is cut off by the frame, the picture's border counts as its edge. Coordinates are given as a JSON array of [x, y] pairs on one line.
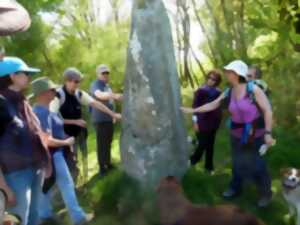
[[100, 106], [205, 108], [56, 143], [86, 99]]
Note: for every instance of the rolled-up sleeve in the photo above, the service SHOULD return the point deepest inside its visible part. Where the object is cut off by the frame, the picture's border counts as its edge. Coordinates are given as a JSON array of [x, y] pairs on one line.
[[54, 105], [86, 99]]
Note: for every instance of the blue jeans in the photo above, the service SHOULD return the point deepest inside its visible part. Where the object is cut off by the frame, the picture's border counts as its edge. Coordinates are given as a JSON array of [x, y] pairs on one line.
[[26, 184], [66, 187], [249, 165]]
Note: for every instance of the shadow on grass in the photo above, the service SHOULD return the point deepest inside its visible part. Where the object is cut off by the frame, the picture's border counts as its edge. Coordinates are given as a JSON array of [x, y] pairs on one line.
[[118, 199]]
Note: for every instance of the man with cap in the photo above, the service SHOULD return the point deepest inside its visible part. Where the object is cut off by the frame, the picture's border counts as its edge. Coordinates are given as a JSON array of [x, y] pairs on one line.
[[101, 91], [44, 91], [68, 102], [22, 153], [251, 127], [255, 75]]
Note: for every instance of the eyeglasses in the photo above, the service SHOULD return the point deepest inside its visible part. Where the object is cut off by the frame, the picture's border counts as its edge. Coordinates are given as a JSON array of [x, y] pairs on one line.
[[250, 76], [105, 73]]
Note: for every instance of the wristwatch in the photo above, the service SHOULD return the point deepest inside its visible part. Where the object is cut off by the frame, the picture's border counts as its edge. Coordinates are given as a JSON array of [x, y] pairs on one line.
[[268, 132]]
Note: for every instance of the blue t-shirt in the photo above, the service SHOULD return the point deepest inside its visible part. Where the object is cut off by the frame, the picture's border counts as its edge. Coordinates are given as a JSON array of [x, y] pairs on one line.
[[98, 116], [51, 122]]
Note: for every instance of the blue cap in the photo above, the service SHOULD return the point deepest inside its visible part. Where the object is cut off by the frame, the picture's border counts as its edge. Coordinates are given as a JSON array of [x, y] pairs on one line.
[[9, 65]]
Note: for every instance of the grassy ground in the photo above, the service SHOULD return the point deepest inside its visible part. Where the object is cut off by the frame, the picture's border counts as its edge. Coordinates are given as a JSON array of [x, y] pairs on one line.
[[116, 200]]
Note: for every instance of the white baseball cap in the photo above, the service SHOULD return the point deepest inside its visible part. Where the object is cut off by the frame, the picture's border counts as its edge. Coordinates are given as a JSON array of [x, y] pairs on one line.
[[239, 67]]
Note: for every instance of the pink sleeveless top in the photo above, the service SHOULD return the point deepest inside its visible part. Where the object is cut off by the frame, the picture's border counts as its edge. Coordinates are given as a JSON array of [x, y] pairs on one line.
[[243, 111]]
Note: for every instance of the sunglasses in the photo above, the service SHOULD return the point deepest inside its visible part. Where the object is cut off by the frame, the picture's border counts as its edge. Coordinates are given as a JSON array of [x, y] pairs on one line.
[[105, 73], [74, 81], [25, 73], [212, 78]]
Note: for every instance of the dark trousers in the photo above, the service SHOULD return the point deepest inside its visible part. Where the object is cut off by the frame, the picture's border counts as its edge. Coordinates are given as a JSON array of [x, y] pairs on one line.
[[249, 165], [206, 142], [104, 136], [81, 144]]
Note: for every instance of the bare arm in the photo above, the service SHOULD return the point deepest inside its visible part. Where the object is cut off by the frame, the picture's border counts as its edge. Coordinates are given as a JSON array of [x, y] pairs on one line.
[[207, 107], [103, 96], [266, 109], [100, 106], [71, 122], [56, 143], [11, 199], [106, 96]]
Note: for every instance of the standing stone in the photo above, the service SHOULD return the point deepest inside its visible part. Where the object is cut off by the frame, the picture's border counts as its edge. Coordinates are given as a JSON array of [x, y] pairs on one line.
[[153, 140]]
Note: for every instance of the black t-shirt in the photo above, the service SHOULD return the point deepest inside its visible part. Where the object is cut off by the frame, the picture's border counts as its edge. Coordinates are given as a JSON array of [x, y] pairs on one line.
[[71, 109]]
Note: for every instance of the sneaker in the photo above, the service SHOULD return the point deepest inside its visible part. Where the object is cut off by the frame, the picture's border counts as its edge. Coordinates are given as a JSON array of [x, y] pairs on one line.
[[230, 193], [264, 201], [85, 221]]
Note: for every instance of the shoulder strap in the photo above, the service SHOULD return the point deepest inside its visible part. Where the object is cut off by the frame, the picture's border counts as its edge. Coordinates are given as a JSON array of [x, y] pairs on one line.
[[61, 95], [78, 94], [226, 100], [250, 91]]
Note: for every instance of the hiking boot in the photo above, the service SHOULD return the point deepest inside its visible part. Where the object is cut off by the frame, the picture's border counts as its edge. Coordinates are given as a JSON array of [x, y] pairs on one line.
[[264, 201], [230, 193], [54, 220], [111, 167], [210, 172], [85, 221], [102, 173]]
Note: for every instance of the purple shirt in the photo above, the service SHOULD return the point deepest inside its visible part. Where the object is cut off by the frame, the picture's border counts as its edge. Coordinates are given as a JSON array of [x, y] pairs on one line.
[[208, 121], [243, 111]]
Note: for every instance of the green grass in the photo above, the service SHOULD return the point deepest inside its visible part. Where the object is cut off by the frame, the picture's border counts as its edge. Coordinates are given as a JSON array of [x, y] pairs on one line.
[[117, 200]]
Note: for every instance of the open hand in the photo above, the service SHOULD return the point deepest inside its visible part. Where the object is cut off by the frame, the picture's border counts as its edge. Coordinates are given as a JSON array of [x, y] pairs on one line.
[[269, 141], [70, 141], [81, 123], [187, 110], [117, 116], [118, 97], [11, 197]]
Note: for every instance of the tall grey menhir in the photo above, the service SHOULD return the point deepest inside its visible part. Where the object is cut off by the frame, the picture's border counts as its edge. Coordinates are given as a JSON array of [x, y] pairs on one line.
[[153, 140]]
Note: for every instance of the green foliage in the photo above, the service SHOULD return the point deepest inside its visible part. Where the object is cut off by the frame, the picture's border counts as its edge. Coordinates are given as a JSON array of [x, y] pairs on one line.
[[75, 39]]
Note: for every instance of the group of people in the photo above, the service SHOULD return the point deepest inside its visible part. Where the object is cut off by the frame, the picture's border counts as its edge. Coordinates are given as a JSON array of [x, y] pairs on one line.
[[38, 144], [250, 125]]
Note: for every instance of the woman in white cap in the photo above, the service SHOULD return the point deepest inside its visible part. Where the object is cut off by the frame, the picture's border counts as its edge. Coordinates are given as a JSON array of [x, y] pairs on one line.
[[251, 127], [22, 154]]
